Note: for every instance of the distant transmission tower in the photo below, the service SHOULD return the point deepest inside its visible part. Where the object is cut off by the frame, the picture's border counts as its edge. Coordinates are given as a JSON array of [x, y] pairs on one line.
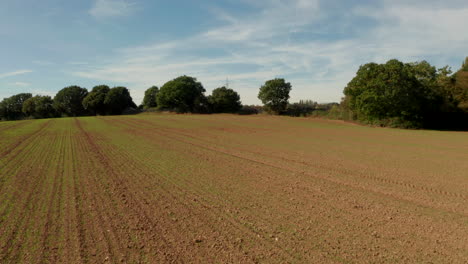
[[227, 83]]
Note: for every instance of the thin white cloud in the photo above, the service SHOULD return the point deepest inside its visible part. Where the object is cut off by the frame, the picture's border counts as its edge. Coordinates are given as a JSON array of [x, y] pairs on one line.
[[276, 18], [9, 74], [111, 8], [20, 84], [43, 93]]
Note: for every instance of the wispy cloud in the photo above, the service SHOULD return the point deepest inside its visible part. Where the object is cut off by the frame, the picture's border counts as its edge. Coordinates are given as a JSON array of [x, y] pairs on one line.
[[43, 93], [276, 18], [9, 74], [20, 84], [111, 8]]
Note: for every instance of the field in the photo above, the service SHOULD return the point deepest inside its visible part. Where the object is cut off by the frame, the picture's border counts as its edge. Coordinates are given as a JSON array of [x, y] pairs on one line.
[[230, 189]]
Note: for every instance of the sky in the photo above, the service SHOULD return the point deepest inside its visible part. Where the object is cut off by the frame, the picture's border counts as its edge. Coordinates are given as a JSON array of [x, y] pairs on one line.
[[315, 45]]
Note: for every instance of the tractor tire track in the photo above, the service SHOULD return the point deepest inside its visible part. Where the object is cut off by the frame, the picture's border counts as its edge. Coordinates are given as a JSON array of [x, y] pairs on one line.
[[219, 203], [120, 189], [178, 198], [426, 189], [169, 133], [24, 139], [13, 125], [31, 190], [50, 245]]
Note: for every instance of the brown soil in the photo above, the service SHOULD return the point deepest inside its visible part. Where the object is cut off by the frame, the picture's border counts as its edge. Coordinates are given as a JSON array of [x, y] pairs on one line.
[[230, 189]]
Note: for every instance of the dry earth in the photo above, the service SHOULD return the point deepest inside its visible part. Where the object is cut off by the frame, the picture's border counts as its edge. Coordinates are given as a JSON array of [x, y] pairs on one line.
[[230, 189]]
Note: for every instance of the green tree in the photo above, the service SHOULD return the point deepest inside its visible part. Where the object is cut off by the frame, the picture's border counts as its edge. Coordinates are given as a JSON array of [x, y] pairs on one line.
[[445, 87], [460, 90], [11, 108], [39, 107], [465, 65], [69, 101], [149, 100], [425, 73], [117, 100], [183, 94], [94, 101], [224, 100], [29, 106], [274, 94], [394, 92]]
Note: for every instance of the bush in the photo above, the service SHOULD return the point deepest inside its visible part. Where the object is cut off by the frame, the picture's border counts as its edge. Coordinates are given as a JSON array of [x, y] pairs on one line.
[[250, 110], [303, 108]]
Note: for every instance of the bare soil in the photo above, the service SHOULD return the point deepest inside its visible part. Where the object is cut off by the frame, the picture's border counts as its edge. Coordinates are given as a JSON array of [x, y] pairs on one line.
[[230, 189]]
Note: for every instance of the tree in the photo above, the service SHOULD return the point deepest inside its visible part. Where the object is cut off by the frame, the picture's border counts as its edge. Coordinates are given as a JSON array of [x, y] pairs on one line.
[[183, 94], [11, 108], [117, 100], [274, 94], [29, 106], [69, 101], [94, 101], [39, 107], [403, 94], [425, 73], [224, 100], [465, 65], [460, 90], [149, 100]]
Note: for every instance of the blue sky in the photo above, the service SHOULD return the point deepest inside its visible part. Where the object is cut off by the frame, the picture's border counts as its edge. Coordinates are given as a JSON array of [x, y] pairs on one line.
[[316, 45]]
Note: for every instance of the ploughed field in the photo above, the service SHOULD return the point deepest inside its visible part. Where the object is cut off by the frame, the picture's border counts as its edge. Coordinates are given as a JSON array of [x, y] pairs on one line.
[[230, 189]]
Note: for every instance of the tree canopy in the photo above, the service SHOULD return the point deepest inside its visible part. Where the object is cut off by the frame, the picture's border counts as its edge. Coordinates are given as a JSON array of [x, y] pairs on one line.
[[274, 94], [460, 90], [68, 101], [396, 93], [39, 107], [11, 108], [149, 100], [94, 101], [118, 99], [183, 94], [465, 65], [224, 100]]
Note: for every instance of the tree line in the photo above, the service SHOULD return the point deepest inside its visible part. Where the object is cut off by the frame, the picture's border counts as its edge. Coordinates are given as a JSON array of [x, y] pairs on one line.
[[397, 94], [182, 95], [70, 101], [185, 94]]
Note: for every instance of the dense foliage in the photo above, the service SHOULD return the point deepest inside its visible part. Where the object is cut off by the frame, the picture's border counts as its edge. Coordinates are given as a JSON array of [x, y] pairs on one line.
[[39, 107], [117, 100], [465, 65], [94, 101], [402, 94], [68, 101], [183, 94], [459, 87], [302, 108], [224, 100], [274, 94], [11, 108], [149, 101]]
